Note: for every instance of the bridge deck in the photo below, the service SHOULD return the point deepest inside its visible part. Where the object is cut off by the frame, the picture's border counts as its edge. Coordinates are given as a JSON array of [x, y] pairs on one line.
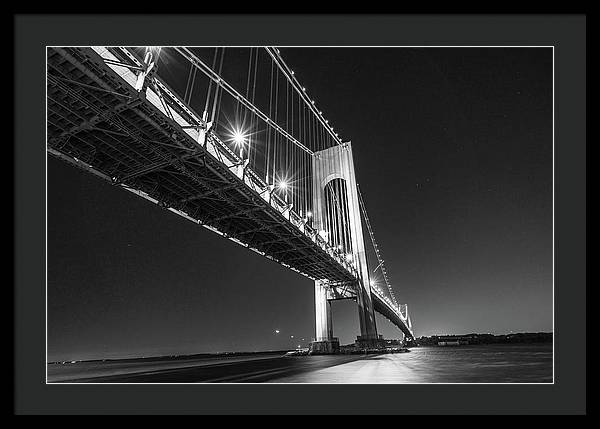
[[391, 313], [147, 142], [98, 121]]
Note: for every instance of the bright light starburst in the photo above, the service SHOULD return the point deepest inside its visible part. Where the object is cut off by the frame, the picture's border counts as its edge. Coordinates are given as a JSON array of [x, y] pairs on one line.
[[239, 138]]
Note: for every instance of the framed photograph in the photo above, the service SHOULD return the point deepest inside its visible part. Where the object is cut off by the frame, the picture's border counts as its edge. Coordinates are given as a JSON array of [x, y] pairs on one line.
[[250, 215]]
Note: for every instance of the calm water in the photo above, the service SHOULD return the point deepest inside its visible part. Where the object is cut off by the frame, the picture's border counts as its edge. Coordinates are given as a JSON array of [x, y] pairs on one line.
[[506, 363], [510, 363]]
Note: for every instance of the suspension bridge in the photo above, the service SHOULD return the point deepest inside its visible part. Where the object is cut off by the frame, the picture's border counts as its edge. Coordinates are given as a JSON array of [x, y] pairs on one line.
[[229, 139]]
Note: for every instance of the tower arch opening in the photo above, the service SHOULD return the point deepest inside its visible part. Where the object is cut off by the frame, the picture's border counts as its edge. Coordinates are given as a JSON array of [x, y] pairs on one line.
[[337, 218]]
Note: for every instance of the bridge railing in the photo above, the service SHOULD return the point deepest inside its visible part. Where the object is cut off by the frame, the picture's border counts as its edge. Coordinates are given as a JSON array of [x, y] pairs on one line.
[[165, 100], [182, 117]]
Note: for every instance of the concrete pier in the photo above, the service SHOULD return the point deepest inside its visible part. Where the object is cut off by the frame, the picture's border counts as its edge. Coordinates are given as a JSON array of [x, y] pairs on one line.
[[368, 342], [326, 347], [324, 342]]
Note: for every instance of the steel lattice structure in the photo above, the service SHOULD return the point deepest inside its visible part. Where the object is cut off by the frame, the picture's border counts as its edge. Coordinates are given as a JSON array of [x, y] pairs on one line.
[[108, 114]]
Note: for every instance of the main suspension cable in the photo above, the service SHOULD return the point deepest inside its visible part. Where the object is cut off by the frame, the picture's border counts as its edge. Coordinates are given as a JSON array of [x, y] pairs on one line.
[[375, 247]]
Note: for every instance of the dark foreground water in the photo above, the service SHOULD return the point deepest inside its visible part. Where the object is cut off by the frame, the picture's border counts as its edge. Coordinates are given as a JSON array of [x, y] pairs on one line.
[[501, 363]]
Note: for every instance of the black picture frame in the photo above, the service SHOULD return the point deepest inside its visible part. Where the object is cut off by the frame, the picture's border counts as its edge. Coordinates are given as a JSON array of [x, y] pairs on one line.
[[32, 33]]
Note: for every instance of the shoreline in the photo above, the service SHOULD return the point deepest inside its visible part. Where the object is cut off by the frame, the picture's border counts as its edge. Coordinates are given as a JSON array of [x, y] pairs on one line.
[[220, 355]]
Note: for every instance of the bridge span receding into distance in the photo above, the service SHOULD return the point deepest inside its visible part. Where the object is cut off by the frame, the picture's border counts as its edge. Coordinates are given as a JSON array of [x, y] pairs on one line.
[[294, 201]]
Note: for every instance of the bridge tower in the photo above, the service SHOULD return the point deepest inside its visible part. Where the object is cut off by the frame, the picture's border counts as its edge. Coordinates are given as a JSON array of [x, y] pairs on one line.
[[335, 166]]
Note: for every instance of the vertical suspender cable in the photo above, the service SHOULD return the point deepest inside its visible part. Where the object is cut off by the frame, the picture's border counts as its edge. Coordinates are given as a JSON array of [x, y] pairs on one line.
[[216, 110], [210, 82], [267, 161]]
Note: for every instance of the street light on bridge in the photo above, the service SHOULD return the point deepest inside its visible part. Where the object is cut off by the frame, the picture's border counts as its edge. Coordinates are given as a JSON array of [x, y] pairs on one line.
[[239, 138]]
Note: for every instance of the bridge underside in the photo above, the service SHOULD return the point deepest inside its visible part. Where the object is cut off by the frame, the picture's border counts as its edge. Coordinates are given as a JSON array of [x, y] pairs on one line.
[[100, 123], [384, 309]]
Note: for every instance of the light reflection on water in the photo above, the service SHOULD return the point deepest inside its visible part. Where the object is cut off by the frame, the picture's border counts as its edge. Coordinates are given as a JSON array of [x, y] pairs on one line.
[[506, 363]]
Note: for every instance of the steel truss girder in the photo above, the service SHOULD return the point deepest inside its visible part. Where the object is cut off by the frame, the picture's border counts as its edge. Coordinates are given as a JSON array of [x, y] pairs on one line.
[[264, 223], [209, 193]]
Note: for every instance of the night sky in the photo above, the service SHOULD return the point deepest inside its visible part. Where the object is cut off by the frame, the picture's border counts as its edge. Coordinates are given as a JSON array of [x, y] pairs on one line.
[[453, 153]]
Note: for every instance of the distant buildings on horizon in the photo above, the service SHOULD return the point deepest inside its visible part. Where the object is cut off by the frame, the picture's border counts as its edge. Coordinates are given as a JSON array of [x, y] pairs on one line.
[[520, 337]]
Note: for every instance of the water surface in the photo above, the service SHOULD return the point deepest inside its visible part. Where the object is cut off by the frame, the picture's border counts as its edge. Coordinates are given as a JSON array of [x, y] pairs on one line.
[[498, 363]]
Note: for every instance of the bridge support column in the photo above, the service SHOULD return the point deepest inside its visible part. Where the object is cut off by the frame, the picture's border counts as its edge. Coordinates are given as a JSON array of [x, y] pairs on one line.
[[328, 165], [325, 342]]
